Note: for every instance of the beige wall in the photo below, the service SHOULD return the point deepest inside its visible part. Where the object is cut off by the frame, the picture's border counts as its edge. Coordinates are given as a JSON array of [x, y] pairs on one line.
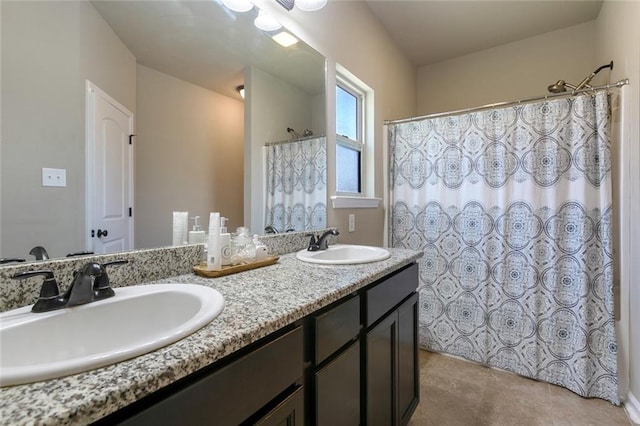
[[350, 34], [48, 50], [512, 71], [104, 59], [188, 150], [618, 39]]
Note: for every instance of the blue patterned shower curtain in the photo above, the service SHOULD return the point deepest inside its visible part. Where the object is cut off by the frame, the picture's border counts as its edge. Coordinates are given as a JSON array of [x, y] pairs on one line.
[[512, 209], [297, 185]]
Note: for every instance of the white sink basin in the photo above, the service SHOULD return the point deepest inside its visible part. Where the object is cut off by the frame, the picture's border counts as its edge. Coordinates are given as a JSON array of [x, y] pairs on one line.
[[137, 320], [342, 254]]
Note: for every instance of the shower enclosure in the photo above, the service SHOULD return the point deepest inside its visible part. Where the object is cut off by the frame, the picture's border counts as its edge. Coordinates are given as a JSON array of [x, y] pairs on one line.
[[512, 208]]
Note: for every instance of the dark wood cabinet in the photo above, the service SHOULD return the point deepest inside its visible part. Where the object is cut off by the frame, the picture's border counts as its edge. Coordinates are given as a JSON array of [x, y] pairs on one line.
[[289, 412], [380, 368], [381, 359], [408, 383], [351, 363], [229, 394], [334, 371], [391, 359], [338, 389]]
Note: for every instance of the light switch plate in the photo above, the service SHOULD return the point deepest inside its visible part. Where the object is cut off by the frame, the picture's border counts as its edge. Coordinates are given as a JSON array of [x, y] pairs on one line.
[[352, 222], [54, 177]]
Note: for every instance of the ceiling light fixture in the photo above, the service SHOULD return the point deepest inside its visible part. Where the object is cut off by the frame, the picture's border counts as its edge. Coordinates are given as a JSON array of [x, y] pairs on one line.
[[304, 5], [238, 5], [240, 90], [285, 39], [266, 22], [310, 5], [287, 4]]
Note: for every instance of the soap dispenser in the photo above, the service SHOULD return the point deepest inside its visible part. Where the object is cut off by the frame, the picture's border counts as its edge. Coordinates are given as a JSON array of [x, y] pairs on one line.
[[225, 242], [197, 235]]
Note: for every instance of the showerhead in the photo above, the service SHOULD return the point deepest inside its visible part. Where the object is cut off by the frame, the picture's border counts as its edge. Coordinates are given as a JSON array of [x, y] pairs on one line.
[[561, 85]]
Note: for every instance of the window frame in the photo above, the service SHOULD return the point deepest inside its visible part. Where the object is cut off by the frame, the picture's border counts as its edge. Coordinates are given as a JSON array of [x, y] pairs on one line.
[[359, 144]]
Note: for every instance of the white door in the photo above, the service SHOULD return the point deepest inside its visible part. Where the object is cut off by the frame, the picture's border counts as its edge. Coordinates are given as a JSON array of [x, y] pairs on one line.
[[109, 173]]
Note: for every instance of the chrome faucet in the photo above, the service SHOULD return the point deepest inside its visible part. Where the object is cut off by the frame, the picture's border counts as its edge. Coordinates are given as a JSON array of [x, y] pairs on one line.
[[90, 284], [320, 243]]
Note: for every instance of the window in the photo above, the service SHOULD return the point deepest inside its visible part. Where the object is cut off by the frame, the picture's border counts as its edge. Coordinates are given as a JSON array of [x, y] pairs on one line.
[[349, 138]]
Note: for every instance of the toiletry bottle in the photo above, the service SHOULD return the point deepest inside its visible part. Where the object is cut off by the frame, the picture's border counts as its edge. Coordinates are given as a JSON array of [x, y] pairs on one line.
[[180, 227], [225, 242], [214, 262], [261, 249], [197, 235]]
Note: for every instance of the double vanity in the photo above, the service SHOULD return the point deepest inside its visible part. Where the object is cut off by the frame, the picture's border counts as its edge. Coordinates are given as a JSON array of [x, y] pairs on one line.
[[300, 342]]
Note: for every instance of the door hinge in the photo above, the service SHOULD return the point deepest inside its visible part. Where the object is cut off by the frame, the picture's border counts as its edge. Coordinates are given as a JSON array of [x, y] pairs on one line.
[[131, 139], [130, 211]]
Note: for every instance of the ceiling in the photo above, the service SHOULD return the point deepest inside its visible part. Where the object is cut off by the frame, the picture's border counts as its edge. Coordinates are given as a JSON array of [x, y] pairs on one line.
[[433, 31], [206, 44]]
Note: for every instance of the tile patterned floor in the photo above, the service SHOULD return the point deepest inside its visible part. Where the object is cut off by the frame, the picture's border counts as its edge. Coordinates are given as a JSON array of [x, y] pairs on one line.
[[459, 393]]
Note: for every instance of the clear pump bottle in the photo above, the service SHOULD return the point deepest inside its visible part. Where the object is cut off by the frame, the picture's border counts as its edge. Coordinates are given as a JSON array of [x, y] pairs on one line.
[[242, 248]]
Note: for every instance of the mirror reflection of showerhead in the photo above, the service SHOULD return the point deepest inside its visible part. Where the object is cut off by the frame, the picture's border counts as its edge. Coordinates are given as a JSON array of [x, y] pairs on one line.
[[561, 85], [293, 133]]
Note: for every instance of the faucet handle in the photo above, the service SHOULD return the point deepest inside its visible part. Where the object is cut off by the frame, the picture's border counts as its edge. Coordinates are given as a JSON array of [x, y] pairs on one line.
[[313, 242], [79, 253], [101, 285], [115, 263], [49, 298], [4, 260]]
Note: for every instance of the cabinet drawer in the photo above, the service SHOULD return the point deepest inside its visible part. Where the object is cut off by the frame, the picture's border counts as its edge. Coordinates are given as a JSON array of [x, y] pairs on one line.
[[229, 395], [336, 327], [384, 296]]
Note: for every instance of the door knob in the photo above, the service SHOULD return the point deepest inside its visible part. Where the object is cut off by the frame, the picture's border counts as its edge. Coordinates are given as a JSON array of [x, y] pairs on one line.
[[102, 233]]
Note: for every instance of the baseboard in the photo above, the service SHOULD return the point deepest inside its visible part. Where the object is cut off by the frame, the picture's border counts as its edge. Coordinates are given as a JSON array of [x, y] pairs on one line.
[[632, 407]]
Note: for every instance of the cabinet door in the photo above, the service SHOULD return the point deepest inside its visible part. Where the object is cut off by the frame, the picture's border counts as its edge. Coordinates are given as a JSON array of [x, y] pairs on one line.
[[381, 371], [338, 390], [289, 412], [408, 365]]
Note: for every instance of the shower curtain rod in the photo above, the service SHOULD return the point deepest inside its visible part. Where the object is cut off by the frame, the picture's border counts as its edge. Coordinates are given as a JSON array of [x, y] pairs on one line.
[[620, 83], [293, 140]]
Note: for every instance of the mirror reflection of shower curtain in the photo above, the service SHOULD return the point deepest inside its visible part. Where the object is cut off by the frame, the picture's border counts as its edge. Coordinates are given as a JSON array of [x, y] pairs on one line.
[[296, 185], [512, 209]]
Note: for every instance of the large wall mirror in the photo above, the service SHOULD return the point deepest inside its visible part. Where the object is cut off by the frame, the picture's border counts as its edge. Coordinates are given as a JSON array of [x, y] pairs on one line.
[[198, 146]]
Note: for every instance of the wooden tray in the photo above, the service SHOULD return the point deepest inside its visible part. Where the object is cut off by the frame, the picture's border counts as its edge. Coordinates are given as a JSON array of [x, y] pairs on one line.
[[233, 269]]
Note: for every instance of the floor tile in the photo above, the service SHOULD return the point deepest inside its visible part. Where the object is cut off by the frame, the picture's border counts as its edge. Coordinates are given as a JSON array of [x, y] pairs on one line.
[[455, 392], [571, 409]]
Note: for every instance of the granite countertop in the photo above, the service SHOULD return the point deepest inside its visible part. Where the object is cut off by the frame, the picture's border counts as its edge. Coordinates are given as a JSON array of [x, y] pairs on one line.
[[257, 303]]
